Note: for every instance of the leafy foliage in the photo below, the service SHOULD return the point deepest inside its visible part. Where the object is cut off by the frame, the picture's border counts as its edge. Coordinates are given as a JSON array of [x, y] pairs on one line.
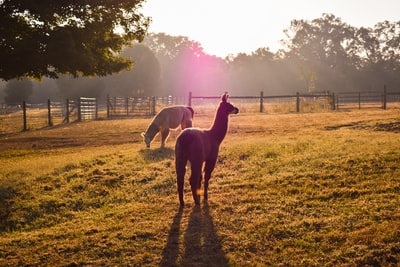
[[144, 78], [18, 91], [323, 54], [338, 56], [50, 37]]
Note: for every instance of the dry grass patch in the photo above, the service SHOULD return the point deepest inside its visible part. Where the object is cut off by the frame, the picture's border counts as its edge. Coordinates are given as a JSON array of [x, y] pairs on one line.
[[288, 190]]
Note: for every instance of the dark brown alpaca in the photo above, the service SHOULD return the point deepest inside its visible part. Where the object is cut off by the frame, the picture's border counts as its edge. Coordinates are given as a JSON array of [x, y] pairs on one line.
[[200, 146]]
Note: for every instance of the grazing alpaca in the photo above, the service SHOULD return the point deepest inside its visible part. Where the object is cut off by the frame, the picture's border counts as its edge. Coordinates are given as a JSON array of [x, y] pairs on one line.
[[198, 146], [168, 118]]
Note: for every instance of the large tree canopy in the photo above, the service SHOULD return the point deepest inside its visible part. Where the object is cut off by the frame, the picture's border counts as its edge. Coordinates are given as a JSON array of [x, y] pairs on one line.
[[332, 55], [82, 38]]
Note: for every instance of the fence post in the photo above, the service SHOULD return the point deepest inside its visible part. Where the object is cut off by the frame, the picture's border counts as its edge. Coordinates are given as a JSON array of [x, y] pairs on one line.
[[333, 101], [127, 106], [79, 109], [297, 102], [190, 99], [337, 102], [114, 104], [153, 105], [108, 106], [261, 101], [359, 100], [67, 109], [96, 109], [24, 113], [384, 97], [49, 112]]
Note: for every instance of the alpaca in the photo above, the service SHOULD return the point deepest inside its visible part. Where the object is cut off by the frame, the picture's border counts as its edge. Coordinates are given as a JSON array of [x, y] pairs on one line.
[[200, 146], [168, 118]]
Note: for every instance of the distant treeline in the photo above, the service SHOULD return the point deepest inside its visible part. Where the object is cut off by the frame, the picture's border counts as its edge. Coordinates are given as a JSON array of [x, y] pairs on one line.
[[325, 54]]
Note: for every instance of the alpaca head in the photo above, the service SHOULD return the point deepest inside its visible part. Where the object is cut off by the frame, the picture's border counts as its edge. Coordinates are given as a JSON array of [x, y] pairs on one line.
[[146, 139], [228, 107]]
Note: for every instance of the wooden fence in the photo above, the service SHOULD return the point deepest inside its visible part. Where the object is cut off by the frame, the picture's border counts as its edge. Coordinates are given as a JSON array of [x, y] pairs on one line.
[[299, 99], [83, 109], [138, 106], [130, 106], [367, 99], [87, 108], [46, 114], [30, 116], [25, 115]]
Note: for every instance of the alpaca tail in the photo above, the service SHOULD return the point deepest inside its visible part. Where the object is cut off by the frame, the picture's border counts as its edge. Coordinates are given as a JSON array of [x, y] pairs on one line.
[[181, 159], [188, 143], [191, 110]]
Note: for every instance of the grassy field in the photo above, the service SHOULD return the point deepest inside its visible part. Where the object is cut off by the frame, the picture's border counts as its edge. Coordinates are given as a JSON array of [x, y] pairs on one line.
[[288, 190]]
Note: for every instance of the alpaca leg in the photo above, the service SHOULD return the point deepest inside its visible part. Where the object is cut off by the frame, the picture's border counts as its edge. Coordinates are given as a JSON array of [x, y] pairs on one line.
[[186, 124], [189, 124], [164, 136], [195, 182], [208, 168], [180, 166]]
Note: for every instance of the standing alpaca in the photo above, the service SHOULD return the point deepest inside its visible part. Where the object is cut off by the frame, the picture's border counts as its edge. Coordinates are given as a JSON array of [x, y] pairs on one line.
[[169, 117], [198, 146]]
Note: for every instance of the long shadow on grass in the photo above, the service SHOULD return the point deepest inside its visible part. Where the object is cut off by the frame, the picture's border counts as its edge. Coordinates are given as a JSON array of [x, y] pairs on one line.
[[7, 195], [171, 251], [202, 246], [157, 154]]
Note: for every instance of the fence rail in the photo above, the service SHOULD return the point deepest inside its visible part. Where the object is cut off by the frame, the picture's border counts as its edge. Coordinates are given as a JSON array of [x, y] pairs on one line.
[[303, 102], [299, 100], [367, 99], [130, 106], [138, 106], [87, 108], [25, 116]]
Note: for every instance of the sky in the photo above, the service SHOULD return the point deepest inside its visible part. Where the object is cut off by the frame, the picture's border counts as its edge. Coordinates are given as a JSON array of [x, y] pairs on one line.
[[225, 27]]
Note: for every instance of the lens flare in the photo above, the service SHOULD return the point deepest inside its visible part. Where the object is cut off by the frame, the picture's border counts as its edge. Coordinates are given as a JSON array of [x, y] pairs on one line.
[[199, 192]]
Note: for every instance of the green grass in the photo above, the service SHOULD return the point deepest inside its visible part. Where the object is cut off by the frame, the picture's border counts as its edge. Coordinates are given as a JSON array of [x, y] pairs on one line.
[[288, 190]]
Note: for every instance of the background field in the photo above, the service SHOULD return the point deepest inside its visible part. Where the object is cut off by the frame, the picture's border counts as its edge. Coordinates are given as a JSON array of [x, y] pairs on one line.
[[288, 190]]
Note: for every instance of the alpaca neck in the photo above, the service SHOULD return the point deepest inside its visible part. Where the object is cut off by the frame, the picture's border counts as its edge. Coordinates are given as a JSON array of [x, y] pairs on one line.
[[152, 131], [219, 127]]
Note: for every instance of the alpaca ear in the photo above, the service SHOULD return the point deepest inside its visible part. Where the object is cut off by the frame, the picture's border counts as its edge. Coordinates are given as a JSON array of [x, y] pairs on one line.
[[224, 97], [142, 134]]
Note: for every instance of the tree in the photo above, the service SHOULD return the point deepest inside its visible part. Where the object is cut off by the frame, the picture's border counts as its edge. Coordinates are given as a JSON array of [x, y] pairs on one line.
[[260, 71], [81, 38], [185, 66], [377, 54], [320, 51], [143, 79], [198, 72], [72, 88], [166, 47], [332, 55], [18, 90]]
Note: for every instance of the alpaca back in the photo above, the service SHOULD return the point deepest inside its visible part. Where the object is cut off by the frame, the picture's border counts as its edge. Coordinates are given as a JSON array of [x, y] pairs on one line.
[[194, 144], [189, 140], [166, 119], [172, 117]]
